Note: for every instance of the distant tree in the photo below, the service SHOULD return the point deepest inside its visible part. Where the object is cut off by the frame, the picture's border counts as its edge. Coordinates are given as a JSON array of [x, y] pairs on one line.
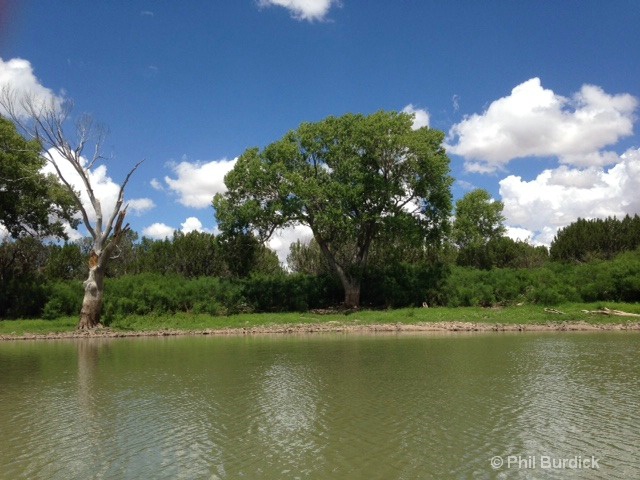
[[22, 283], [478, 219], [198, 254], [31, 203], [245, 254], [585, 240], [66, 262], [503, 252], [46, 123], [350, 179], [125, 258], [307, 258]]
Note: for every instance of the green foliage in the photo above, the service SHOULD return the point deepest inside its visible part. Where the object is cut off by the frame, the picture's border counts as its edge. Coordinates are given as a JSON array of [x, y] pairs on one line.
[[290, 293], [478, 219], [153, 294], [469, 287], [64, 299], [502, 252], [403, 285], [616, 280], [350, 179], [66, 262], [586, 240], [31, 203], [307, 258], [22, 284]]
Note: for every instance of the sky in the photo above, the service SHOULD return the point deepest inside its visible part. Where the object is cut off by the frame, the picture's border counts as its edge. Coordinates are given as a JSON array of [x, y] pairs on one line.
[[538, 99]]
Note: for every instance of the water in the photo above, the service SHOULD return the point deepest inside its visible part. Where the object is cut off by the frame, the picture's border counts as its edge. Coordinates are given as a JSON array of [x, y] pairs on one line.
[[322, 407]]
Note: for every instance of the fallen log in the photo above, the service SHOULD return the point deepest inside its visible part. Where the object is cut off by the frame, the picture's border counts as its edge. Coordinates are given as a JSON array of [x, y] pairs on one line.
[[615, 313], [553, 310]]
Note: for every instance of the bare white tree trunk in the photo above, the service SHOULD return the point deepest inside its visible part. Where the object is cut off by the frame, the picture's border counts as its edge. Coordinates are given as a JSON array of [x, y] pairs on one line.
[[45, 123], [93, 296]]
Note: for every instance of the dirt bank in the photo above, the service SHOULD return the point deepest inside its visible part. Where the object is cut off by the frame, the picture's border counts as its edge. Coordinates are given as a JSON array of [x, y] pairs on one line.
[[436, 327]]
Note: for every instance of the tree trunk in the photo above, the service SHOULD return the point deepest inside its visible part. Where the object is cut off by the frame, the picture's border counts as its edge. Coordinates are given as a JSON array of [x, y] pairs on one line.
[[93, 294], [351, 293]]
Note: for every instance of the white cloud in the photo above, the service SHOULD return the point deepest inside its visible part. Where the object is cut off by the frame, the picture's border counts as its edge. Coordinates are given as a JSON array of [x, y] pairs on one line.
[[17, 75], [158, 231], [138, 206], [464, 185], [534, 121], [303, 9], [558, 197], [198, 182], [421, 116], [282, 239], [516, 233], [193, 224], [156, 185], [455, 102]]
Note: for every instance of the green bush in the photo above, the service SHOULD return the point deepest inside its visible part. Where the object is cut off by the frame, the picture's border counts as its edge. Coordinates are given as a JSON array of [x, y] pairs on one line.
[[64, 299]]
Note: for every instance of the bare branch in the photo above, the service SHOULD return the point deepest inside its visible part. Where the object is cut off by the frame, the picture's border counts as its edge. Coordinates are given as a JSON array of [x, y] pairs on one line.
[[74, 194], [119, 202]]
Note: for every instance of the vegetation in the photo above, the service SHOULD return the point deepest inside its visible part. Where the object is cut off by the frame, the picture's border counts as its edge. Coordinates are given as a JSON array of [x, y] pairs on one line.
[[46, 124], [31, 202], [352, 180], [586, 240], [517, 315], [377, 196]]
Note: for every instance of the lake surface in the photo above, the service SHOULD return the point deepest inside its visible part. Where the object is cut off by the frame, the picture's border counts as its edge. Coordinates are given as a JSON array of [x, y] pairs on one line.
[[550, 405]]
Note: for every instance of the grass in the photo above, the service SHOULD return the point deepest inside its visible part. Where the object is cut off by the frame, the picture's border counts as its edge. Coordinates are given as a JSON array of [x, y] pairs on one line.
[[520, 315]]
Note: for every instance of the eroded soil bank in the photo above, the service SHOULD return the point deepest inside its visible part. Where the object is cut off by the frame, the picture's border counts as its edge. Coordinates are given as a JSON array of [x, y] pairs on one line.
[[335, 327]]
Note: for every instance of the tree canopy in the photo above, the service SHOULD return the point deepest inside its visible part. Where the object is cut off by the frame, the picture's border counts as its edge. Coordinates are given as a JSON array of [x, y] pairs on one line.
[[350, 179], [31, 203], [478, 219], [597, 238]]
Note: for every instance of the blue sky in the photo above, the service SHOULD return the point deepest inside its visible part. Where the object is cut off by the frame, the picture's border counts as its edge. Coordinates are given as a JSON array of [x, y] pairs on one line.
[[539, 98]]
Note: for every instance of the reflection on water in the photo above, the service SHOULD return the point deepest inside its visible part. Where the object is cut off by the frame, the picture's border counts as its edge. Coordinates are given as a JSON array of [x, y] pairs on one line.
[[317, 407]]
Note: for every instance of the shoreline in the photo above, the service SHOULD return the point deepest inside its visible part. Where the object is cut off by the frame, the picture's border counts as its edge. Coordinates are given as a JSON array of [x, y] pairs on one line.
[[314, 328]]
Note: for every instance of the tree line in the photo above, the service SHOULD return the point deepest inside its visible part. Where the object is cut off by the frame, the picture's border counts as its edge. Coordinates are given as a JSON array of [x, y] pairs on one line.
[[375, 192], [203, 273]]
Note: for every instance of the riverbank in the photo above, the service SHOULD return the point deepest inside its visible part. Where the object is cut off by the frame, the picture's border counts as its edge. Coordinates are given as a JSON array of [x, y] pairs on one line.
[[570, 317], [440, 327]]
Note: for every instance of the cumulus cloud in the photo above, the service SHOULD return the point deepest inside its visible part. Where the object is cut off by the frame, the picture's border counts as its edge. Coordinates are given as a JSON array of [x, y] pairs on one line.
[[198, 182], [560, 196], [534, 121], [516, 233], [138, 206], [282, 239], [420, 116], [17, 75], [158, 231], [193, 224], [309, 10]]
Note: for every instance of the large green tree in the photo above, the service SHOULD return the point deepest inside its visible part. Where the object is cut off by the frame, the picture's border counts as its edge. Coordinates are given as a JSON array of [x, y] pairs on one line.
[[350, 179], [31, 203]]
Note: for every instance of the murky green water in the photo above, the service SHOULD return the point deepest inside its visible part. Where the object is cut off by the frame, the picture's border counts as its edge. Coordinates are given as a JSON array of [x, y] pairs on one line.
[[322, 407]]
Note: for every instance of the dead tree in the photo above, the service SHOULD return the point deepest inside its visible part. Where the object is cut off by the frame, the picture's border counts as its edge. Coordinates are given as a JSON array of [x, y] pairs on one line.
[[46, 121]]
